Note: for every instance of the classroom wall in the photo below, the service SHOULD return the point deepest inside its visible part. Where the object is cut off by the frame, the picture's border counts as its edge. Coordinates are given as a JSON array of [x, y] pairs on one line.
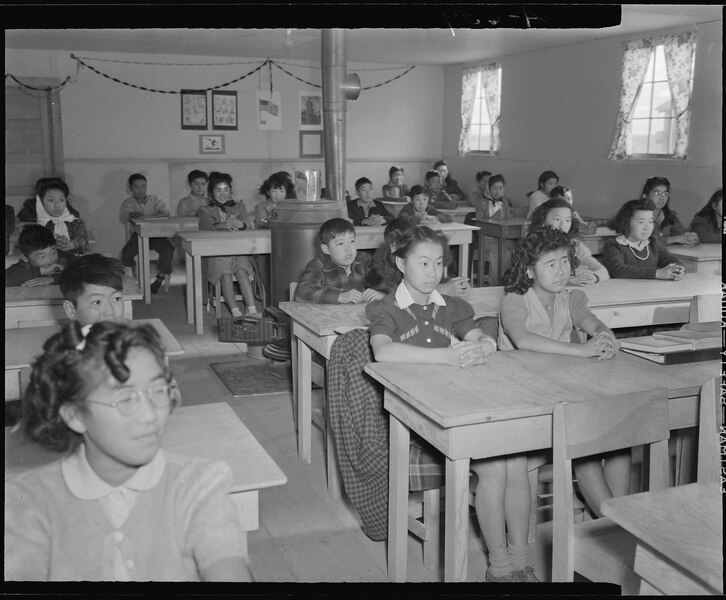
[[558, 112], [111, 130]]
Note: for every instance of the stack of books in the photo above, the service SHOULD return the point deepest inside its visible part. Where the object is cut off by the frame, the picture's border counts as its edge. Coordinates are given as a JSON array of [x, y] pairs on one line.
[[674, 347]]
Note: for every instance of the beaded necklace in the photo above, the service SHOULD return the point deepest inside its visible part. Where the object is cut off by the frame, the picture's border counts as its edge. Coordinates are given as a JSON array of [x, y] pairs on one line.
[[647, 252]]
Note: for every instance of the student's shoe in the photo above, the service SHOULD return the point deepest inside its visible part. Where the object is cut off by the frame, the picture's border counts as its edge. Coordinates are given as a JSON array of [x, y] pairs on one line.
[[157, 283], [511, 577], [526, 575]]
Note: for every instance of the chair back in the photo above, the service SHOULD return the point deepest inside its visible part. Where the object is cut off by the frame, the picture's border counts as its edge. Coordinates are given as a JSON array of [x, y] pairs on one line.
[[588, 428], [709, 420]]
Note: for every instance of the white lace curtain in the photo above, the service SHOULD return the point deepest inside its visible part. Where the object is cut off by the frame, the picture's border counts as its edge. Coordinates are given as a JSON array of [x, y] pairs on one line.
[[679, 50], [490, 83]]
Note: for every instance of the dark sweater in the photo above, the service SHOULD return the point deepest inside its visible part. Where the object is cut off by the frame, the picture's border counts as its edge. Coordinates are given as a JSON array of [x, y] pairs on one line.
[[621, 262]]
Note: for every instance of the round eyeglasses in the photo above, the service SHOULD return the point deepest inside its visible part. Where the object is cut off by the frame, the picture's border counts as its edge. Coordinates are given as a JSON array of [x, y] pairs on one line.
[[662, 194], [129, 401]]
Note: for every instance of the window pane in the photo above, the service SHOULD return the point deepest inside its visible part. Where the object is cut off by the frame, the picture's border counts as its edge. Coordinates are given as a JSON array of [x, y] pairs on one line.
[[660, 65], [485, 143], [639, 136], [642, 106], [476, 114], [660, 135], [662, 100], [474, 137]]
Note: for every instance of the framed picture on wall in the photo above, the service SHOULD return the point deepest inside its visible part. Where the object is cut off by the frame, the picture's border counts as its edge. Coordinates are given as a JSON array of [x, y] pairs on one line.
[[311, 110], [224, 110], [311, 144], [211, 143], [194, 109]]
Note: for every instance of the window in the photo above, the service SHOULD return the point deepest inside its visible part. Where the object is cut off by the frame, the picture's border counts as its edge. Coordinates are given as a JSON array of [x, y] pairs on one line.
[[653, 123], [480, 104]]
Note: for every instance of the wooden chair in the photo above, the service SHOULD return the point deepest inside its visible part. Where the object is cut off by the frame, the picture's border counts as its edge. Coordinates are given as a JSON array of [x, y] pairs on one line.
[[599, 549], [709, 419]]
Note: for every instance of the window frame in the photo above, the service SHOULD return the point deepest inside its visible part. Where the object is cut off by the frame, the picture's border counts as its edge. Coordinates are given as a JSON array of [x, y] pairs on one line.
[[480, 90]]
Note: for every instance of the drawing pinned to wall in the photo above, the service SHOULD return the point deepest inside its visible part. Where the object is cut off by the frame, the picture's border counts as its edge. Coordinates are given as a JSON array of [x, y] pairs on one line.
[[194, 109], [311, 110], [224, 110], [269, 111]]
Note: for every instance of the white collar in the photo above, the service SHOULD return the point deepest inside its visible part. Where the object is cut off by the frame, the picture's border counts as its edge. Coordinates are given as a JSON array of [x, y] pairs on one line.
[[85, 484], [404, 299], [624, 241]]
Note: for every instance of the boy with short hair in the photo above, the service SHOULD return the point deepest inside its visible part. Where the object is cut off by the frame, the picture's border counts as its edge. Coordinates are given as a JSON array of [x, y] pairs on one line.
[[438, 197], [420, 211], [189, 205], [92, 288], [39, 263], [141, 204], [335, 275], [364, 210]]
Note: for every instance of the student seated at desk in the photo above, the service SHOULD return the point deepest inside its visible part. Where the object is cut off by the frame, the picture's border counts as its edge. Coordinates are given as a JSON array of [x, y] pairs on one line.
[[558, 213], [336, 275], [439, 198], [39, 262], [419, 211], [383, 274], [222, 213], [539, 313], [92, 288], [395, 188], [189, 205], [707, 222], [449, 184], [364, 210], [116, 506], [636, 253], [276, 187], [479, 195], [668, 227], [141, 204], [419, 325]]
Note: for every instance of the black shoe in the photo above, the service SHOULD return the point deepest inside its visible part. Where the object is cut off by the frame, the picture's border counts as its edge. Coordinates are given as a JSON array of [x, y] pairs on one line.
[[157, 283]]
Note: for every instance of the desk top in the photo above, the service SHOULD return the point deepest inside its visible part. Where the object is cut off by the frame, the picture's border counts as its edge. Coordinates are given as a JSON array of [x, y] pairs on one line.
[[149, 226], [203, 430], [701, 252], [447, 395], [324, 319], [23, 345], [19, 295], [683, 523]]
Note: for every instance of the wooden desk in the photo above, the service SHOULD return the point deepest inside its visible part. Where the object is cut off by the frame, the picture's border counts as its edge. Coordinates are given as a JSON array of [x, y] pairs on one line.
[[258, 241], [211, 431], [146, 228], [506, 231], [617, 302], [43, 305], [23, 345], [394, 207], [679, 550], [458, 214], [502, 407], [703, 258]]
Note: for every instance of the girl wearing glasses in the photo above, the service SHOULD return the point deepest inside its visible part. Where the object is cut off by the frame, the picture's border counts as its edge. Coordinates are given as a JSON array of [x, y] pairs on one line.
[[668, 228], [115, 506]]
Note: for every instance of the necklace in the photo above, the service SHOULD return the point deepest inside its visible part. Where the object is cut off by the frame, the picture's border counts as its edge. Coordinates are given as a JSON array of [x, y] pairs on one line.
[[647, 252]]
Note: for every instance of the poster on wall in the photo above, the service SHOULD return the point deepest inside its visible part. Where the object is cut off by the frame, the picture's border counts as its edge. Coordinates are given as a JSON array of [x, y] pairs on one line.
[[224, 110], [311, 110], [193, 109], [269, 112]]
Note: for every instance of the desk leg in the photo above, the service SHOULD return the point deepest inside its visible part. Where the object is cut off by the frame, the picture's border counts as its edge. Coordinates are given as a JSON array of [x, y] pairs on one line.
[[463, 260], [197, 284], [480, 262], [397, 500], [293, 364], [189, 262], [145, 269], [501, 262], [456, 534], [304, 402]]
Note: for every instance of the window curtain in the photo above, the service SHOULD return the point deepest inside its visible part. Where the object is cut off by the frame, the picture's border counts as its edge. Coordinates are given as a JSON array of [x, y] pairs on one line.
[[468, 94], [635, 62], [679, 50], [490, 83]]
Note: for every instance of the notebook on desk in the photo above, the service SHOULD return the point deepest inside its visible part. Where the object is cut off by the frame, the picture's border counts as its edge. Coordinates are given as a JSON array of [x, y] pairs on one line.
[[696, 340], [675, 358], [651, 343]]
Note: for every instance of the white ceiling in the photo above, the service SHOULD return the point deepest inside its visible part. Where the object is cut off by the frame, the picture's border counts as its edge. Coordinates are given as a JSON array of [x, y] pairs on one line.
[[386, 46]]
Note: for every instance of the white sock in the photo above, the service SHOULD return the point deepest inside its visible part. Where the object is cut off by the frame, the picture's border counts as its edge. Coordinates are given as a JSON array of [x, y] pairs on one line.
[[251, 310], [236, 312]]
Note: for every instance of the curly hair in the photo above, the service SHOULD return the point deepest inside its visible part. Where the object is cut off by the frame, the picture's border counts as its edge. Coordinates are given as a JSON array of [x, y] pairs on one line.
[[412, 237], [281, 179], [528, 252], [539, 216], [63, 374], [669, 216], [621, 221]]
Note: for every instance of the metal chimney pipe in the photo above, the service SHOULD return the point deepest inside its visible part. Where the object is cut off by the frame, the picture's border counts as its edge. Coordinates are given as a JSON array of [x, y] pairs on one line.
[[337, 88]]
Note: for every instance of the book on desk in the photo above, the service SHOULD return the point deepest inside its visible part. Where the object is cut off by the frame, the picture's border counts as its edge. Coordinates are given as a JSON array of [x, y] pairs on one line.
[[679, 357], [696, 340]]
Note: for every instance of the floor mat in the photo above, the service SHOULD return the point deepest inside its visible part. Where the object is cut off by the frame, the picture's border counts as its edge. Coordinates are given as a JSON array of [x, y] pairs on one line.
[[243, 379]]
